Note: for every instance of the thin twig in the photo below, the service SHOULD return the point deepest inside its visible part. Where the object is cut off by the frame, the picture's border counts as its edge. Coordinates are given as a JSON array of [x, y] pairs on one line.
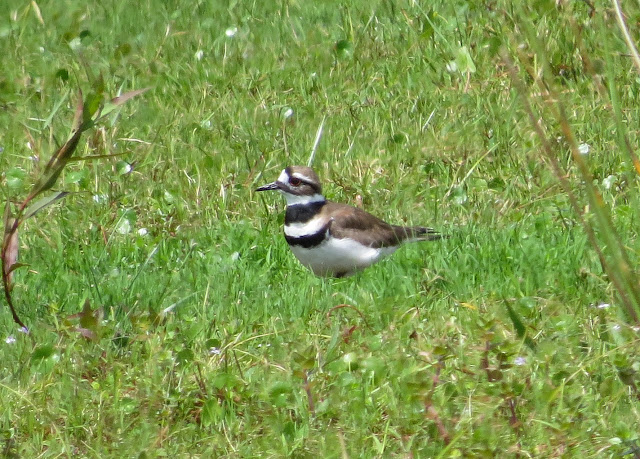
[[307, 389], [627, 36]]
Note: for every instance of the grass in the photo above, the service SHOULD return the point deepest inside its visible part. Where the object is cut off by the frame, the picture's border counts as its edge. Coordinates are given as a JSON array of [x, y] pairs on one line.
[[506, 339]]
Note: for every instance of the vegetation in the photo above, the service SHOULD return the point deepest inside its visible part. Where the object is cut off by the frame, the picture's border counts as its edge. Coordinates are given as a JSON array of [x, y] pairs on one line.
[[167, 316]]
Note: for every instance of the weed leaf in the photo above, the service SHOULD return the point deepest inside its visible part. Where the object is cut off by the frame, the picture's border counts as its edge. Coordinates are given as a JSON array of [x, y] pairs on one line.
[[78, 115], [42, 352], [521, 330], [10, 253], [6, 218], [117, 101], [91, 107], [15, 266], [55, 165], [42, 203]]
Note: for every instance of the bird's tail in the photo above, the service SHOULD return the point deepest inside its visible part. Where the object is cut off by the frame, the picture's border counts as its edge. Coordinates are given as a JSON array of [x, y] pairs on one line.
[[417, 233]]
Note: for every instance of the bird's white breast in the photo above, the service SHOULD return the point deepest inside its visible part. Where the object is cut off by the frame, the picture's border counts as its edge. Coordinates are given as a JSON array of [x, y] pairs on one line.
[[336, 256]]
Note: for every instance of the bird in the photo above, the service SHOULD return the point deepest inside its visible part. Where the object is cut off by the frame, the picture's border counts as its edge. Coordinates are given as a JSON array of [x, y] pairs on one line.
[[334, 239]]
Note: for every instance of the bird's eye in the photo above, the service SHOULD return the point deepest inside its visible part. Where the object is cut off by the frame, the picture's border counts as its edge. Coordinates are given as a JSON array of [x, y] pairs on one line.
[[295, 181]]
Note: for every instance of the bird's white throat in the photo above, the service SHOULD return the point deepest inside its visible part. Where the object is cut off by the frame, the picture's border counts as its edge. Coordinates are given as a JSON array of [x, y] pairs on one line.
[[301, 200]]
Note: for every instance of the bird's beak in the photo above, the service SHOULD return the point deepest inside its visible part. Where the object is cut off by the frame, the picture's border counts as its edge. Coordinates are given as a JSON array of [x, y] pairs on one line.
[[270, 186]]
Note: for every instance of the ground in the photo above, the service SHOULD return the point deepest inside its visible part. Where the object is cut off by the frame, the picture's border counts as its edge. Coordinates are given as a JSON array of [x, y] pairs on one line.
[[167, 315]]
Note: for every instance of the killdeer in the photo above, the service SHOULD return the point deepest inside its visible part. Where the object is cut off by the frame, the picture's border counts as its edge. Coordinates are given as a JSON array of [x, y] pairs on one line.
[[335, 239]]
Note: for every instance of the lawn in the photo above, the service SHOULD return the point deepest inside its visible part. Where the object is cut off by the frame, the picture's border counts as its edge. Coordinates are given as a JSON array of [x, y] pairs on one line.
[[166, 313]]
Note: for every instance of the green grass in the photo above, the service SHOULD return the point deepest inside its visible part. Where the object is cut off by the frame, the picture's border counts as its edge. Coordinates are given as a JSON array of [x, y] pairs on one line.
[[494, 342]]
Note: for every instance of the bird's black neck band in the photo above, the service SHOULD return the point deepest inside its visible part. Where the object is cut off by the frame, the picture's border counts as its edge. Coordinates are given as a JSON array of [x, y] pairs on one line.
[[302, 213]]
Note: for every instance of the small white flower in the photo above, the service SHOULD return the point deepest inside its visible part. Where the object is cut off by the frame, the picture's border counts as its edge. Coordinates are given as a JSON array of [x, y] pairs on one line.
[[584, 148], [603, 305], [124, 227], [520, 361], [231, 31], [199, 55], [215, 351], [609, 181], [24, 330], [288, 113], [452, 67], [10, 339], [143, 232], [75, 44]]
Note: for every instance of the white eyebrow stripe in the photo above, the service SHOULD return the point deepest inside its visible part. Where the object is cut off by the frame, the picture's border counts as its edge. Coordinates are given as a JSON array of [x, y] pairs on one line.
[[302, 177]]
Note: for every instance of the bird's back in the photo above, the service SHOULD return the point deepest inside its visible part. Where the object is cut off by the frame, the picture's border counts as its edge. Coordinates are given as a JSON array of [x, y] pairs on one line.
[[354, 223]]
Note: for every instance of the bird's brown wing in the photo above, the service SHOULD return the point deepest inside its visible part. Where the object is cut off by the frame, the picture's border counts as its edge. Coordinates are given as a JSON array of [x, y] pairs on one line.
[[351, 222]]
